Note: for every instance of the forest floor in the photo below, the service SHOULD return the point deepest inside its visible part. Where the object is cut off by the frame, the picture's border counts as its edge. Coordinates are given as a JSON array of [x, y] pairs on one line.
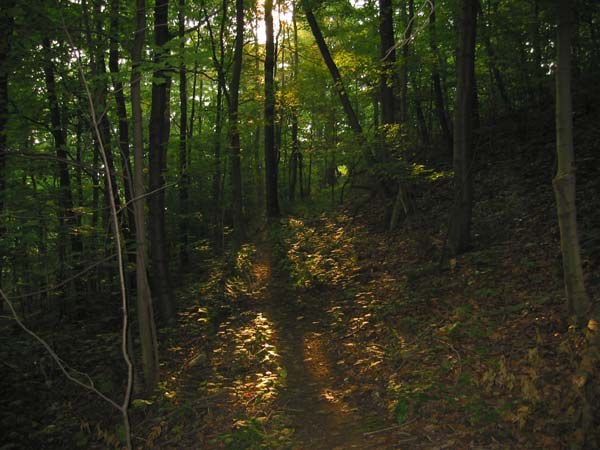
[[328, 332], [340, 336], [332, 333]]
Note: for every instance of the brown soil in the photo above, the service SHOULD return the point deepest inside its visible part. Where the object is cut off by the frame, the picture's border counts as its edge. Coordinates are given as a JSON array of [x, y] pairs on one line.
[[311, 398]]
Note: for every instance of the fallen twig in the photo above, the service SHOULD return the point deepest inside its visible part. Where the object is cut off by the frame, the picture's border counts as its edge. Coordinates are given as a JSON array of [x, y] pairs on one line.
[[395, 427]]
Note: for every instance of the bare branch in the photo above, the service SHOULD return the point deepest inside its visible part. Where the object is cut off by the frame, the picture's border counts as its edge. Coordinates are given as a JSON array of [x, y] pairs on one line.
[[407, 40], [64, 368]]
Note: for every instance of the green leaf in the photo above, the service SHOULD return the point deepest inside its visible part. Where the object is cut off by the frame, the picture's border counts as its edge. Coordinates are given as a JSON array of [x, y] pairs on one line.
[[140, 403]]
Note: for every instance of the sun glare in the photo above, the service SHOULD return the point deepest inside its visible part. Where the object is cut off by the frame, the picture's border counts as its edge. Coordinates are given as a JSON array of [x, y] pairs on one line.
[[282, 15]]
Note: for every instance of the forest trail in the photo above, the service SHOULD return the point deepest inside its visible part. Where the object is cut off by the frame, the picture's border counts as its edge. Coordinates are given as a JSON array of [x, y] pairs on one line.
[[317, 413]]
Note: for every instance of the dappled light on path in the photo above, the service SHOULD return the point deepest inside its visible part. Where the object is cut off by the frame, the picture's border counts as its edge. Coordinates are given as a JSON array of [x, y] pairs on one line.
[[310, 398]]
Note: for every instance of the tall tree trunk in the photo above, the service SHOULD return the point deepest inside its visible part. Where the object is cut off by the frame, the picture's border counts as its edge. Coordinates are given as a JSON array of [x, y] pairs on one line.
[[217, 177], [387, 81], [113, 64], [421, 122], [538, 72], [497, 75], [146, 324], [442, 113], [296, 157], [333, 69], [578, 301], [67, 217], [459, 234], [405, 62], [218, 57], [96, 48], [183, 136], [159, 139], [6, 26], [401, 202], [272, 201], [234, 131]]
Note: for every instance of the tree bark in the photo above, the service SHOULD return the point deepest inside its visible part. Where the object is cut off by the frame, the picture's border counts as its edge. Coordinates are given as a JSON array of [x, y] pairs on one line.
[[6, 26], [578, 302], [459, 234], [183, 137], [218, 57], [405, 61], [217, 185], [159, 139], [333, 69], [296, 157], [387, 81], [146, 324], [67, 217], [272, 201], [123, 125], [234, 132], [493, 67], [440, 106], [97, 50]]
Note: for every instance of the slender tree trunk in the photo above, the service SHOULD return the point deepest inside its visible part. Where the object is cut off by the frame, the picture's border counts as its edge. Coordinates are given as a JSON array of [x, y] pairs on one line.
[[387, 81], [459, 234], [333, 69], [497, 75], [578, 302], [6, 25], [405, 63], [146, 324], [97, 47], [67, 217], [183, 136], [218, 57], [113, 64], [537, 56], [159, 139], [79, 158], [217, 175], [272, 200], [442, 113], [401, 202], [234, 132], [259, 176], [421, 122], [296, 157]]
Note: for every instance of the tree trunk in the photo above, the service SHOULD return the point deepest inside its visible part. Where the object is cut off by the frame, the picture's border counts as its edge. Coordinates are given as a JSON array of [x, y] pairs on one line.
[[296, 157], [6, 25], [578, 301], [497, 75], [333, 70], [401, 201], [272, 201], [459, 233], [218, 58], [440, 106], [113, 64], [146, 324], [217, 176], [387, 80], [183, 136], [97, 49], [67, 217], [234, 132], [159, 139], [405, 61]]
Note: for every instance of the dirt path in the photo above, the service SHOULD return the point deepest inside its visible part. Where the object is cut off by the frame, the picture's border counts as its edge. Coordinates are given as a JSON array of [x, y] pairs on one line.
[[312, 398]]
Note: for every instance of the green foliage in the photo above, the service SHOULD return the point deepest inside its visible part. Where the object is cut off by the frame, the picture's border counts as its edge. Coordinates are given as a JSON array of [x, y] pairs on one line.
[[246, 435]]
